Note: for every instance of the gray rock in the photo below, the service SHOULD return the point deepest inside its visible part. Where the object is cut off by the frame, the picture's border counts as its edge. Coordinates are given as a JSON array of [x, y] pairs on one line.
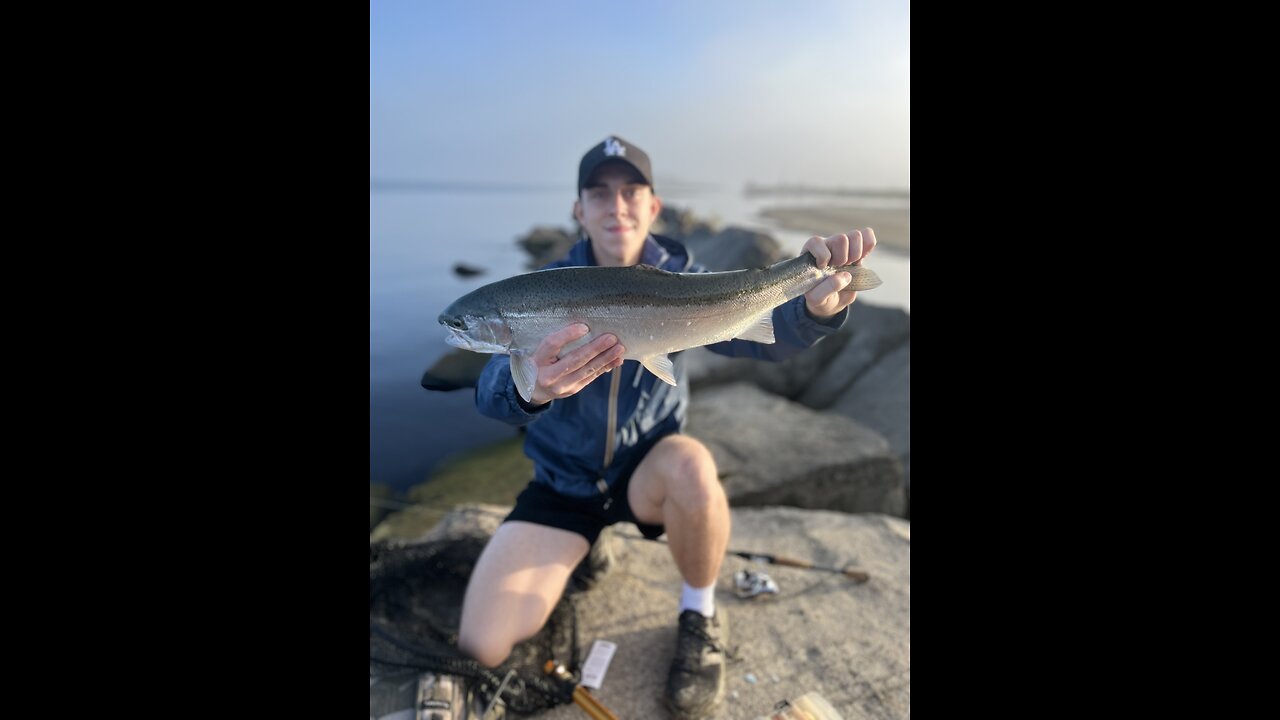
[[546, 244], [771, 451], [822, 633], [881, 398], [872, 332], [681, 224], [788, 378], [734, 248], [455, 370]]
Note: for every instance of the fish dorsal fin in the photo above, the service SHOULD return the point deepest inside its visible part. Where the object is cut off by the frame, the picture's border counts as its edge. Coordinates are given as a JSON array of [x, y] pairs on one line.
[[760, 330], [524, 371], [661, 366], [651, 269]]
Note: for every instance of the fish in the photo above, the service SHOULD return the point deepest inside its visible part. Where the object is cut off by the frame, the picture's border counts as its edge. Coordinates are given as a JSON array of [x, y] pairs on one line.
[[653, 312]]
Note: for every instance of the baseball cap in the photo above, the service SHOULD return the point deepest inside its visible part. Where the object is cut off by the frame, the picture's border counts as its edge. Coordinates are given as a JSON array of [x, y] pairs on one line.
[[614, 148]]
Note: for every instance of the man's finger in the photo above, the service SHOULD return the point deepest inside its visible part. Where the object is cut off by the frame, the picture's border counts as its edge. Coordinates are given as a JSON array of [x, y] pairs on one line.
[[817, 247], [868, 242], [549, 349], [854, 248], [563, 368], [840, 246], [597, 366]]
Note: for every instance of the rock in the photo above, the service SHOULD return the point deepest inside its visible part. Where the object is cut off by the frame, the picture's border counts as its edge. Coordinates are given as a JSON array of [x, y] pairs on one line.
[[546, 244], [493, 473], [787, 378], [881, 399], [734, 248], [771, 451], [455, 370], [872, 332], [382, 500], [681, 223], [823, 633]]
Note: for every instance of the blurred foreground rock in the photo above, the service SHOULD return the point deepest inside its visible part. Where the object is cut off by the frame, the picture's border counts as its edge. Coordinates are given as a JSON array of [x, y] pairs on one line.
[[823, 632], [771, 451]]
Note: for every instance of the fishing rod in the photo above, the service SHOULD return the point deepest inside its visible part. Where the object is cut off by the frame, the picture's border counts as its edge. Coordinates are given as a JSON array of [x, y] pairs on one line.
[[859, 576]]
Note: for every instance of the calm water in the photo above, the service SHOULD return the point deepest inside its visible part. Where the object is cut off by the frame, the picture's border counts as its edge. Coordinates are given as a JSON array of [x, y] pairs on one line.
[[415, 237]]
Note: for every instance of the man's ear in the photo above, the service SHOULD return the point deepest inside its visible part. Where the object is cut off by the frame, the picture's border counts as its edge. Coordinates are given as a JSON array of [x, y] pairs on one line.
[[577, 211], [657, 207]]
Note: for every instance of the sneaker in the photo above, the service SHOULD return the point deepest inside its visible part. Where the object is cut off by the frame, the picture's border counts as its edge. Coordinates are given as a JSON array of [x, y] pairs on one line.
[[695, 684]]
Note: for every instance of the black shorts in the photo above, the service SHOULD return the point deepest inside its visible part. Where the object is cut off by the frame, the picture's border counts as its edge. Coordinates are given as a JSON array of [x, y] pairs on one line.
[[541, 505]]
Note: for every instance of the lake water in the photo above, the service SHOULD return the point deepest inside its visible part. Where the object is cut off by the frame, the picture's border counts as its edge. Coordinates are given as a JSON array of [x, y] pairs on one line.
[[416, 234]]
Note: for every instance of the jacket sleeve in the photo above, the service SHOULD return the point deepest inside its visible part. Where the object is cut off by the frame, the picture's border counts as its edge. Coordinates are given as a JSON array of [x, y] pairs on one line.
[[793, 331], [496, 395]]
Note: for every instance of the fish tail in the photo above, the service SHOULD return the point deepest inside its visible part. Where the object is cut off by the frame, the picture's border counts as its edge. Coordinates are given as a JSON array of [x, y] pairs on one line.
[[864, 278]]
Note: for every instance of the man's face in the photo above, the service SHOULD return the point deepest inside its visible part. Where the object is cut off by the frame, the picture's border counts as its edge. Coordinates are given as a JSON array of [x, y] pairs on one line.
[[616, 208]]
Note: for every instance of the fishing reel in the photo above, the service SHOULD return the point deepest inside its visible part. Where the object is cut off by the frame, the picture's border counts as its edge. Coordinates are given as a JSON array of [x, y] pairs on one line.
[[749, 584]]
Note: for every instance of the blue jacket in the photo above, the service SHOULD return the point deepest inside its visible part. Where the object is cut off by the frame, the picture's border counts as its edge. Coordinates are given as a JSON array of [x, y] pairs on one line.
[[566, 437]]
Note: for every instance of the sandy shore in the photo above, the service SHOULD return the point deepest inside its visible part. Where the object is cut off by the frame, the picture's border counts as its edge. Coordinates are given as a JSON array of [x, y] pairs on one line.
[[891, 225]]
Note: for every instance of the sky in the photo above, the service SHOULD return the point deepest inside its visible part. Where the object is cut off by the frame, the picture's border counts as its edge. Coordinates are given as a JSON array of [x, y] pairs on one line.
[[716, 92]]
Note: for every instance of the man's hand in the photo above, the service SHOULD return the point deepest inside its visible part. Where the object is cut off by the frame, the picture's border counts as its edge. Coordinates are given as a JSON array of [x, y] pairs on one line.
[[829, 296], [560, 377]]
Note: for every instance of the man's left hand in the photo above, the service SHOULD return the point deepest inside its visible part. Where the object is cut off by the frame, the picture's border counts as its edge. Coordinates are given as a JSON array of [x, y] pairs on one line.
[[829, 296]]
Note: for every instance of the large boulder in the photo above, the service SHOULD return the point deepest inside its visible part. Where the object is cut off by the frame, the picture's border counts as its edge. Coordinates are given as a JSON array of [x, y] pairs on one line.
[[873, 332], [771, 451], [881, 399]]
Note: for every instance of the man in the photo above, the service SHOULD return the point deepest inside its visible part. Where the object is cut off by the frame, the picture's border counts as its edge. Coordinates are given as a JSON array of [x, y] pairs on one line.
[[610, 449]]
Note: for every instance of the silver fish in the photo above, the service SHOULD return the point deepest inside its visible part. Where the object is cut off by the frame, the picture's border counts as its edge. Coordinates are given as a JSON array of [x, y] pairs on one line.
[[653, 312]]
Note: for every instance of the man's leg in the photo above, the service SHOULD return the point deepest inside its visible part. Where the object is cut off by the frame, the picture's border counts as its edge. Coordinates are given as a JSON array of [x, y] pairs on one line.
[[676, 485], [515, 585]]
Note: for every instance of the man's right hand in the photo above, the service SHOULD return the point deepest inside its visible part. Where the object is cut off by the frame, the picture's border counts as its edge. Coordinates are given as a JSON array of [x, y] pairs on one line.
[[560, 377]]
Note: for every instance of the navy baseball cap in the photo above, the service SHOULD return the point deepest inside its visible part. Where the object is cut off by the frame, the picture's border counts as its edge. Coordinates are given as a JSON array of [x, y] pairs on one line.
[[614, 148]]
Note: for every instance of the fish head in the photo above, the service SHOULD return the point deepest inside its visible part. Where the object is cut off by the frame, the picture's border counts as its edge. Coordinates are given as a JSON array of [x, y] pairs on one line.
[[477, 333]]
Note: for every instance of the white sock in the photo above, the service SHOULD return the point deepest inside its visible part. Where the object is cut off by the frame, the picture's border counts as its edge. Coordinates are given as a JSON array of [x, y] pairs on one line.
[[701, 599]]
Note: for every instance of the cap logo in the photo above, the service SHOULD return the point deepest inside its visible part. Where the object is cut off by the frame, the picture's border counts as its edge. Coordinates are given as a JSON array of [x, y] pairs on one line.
[[614, 148]]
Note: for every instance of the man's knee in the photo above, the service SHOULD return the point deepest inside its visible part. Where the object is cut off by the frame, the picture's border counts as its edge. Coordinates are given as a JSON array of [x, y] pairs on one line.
[[696, 486], [485, 647], [692, 460]]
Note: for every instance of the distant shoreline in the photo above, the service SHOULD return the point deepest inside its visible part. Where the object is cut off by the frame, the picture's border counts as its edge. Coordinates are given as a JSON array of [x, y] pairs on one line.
[[892, 226], [897, 193]]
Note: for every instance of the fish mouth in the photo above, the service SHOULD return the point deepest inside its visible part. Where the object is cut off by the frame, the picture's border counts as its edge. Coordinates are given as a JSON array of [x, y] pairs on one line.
[[457, 339]]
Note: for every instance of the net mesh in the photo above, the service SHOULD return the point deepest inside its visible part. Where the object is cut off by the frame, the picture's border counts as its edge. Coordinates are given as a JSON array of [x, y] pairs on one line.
[[415, 603]]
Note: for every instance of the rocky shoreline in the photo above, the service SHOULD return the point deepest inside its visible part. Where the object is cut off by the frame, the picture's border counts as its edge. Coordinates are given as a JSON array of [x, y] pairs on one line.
[[814, 454]]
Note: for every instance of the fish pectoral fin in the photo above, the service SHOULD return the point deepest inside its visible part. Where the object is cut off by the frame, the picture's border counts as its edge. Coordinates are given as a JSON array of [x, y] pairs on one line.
[[524, 372], [661, 366], [760, 330]]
